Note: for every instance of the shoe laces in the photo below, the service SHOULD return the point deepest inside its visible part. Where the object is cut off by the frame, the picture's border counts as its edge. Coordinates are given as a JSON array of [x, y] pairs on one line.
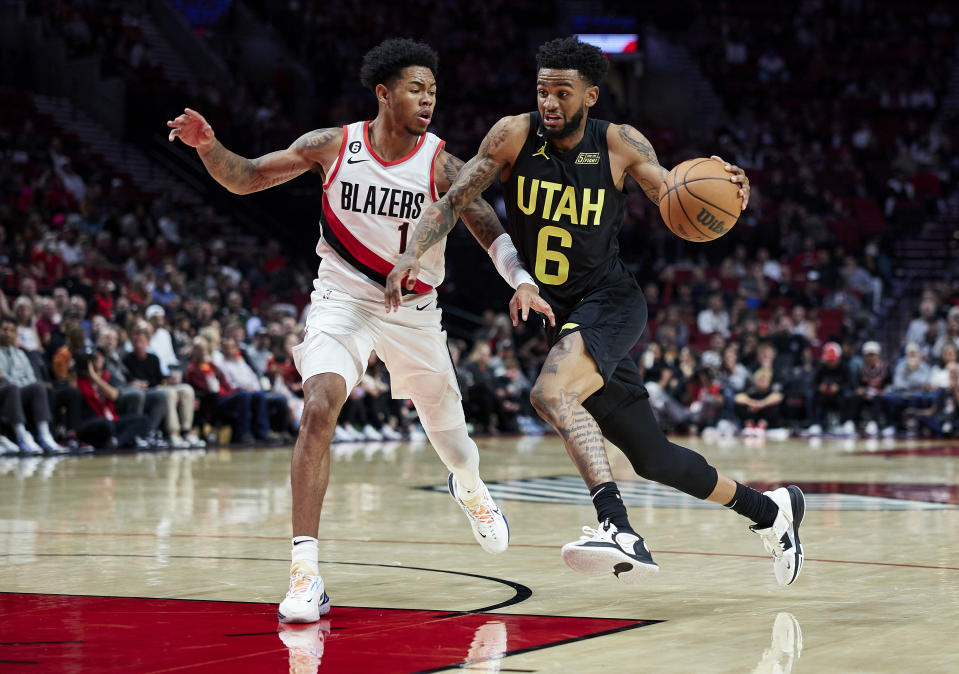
[[300, 585], [603, 533], [482, 512]]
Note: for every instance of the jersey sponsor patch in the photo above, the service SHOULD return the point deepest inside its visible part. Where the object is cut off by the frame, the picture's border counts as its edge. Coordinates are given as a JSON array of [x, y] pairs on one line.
[[587, 158]]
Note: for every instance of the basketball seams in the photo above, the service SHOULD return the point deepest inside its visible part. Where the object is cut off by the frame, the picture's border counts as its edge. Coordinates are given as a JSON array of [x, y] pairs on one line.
[[682, 177], [707, 201]]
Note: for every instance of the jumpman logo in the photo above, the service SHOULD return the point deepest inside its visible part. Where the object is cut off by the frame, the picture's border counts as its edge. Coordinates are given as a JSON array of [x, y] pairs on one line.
[[541, 152]]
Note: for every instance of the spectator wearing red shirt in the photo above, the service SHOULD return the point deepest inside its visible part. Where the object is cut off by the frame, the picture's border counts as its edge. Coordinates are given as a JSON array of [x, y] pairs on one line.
[[218, 400], [102, 427]]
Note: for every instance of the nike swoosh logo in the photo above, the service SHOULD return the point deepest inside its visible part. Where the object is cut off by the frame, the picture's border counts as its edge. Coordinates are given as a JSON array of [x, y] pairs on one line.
[[351, 160], [425, 305]]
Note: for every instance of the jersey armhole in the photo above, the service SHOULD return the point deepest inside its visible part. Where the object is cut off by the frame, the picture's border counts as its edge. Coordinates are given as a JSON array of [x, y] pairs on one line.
[[433, 192], [339, 158]]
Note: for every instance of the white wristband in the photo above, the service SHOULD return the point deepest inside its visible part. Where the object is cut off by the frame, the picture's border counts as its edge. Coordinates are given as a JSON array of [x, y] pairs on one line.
[[506, 260]]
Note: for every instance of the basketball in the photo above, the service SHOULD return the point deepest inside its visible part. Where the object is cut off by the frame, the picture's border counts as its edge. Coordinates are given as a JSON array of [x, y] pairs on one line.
[[698, 202]]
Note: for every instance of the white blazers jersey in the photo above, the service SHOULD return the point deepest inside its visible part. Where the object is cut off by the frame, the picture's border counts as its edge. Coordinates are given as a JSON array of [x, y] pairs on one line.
[[370, 209]]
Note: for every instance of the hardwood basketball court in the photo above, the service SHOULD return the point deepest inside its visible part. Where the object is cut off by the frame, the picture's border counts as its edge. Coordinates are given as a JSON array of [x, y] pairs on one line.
[[176, 561]]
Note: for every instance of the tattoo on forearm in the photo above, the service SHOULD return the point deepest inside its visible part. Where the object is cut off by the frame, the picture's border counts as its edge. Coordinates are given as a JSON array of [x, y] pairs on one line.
[[478, 216], [229, 169], [638, 142]]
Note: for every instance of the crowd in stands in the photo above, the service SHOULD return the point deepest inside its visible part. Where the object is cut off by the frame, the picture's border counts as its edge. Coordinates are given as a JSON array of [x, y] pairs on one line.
[[136, 320]]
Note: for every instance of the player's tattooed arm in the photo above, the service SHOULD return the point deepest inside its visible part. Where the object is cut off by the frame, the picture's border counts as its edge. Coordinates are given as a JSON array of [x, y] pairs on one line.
[[479, 216], [641, 161], [466, 187], [240, 175]]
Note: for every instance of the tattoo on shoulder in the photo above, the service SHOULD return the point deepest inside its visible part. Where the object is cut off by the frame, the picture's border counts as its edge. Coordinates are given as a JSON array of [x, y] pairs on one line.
[[318, 138], [452, 167]]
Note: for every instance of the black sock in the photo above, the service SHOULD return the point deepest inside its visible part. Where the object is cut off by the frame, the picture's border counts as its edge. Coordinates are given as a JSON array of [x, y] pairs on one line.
[[756, 506], [609, 505]]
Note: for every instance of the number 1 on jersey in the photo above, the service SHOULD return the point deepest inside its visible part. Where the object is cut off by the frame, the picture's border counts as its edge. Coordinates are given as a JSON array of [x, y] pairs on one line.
[[404, 229], [544, 255]]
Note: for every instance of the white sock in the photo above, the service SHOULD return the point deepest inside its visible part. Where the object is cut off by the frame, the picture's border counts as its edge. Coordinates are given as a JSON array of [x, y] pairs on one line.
[[43, 430], [307, 549]]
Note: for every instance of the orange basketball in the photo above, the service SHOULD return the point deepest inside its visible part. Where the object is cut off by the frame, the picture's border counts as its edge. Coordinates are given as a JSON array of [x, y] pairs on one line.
[[698, 202]]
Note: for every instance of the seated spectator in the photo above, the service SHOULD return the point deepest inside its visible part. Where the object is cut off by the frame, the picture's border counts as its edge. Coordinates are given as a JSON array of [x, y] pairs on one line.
[[865, 402], [22, 393], [102, 426], [831, 381], [949, 404], [949, 336], [481, 389], [732, 375], [714, 318], [939, 376], [27, 336], [909, 389], [241, 377], [161, 344], [285, 378], [759, 407], [218, 400], [135, 398], [144, 369]]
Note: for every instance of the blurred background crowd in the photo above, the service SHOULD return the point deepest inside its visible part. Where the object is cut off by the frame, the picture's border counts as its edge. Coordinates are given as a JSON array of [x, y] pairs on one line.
[[143, 306]]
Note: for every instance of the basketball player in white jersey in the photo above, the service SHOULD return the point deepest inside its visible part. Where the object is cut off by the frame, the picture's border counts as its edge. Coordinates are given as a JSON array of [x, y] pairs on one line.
[[378, 178]]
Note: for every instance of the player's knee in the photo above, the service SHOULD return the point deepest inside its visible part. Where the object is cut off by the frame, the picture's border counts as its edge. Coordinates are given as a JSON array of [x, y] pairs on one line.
[[319, 411], [544, 399]]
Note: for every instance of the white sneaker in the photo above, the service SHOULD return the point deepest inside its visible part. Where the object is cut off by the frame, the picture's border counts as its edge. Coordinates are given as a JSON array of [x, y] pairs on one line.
[[50, 445], [608, 550], [340, 434], [370, 433], [8, 446], [490, 528], [195, 441], [872, 428], [849, 428], [782, 538], [353, 433], [889, 432], [417, 434], [28, 445], [389, 433], [778, 434], [306, 599], [813, 430], [177, 442]]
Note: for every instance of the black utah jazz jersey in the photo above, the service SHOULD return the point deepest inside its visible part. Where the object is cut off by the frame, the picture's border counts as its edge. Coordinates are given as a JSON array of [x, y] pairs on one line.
[[565, 213]]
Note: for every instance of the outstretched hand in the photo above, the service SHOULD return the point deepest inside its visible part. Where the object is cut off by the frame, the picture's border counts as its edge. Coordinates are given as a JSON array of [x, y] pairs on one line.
[[738, 176], [525, 298], [405, 271], [192, 128]]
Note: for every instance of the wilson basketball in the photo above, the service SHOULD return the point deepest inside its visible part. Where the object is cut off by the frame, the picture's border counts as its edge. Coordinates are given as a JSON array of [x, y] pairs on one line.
[[698, 202]]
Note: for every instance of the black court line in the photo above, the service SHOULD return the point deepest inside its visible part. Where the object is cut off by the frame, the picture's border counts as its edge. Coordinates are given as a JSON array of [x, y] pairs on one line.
[[522, 592]]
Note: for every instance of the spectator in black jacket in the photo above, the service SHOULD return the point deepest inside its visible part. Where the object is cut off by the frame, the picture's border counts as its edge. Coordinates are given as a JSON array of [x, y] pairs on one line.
[[831, 383]]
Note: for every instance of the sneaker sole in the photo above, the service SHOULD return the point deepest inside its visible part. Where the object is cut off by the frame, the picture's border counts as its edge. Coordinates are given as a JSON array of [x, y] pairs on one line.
[[798, 502], [322, 609], [601, 561]]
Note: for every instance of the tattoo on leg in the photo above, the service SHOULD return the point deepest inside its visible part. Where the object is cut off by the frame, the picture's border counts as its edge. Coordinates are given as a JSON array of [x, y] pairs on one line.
[[584, 441]]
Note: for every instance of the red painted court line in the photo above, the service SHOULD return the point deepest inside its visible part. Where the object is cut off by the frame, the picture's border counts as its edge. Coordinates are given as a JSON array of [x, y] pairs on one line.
[[513, 545]]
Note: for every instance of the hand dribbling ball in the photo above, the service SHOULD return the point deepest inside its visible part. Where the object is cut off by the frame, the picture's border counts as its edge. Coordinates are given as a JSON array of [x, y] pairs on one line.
[[698, 201]]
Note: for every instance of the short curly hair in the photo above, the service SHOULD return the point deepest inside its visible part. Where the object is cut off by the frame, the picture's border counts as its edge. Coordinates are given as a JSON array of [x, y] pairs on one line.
[[385, 61], [568, 53]]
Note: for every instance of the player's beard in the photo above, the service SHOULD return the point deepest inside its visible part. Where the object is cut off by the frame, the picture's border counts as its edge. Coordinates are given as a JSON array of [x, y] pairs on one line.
[[569, 128]]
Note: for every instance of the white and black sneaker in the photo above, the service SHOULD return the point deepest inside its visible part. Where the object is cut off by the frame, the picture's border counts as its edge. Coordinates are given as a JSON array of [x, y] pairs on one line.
[[608, 550], [306, 600], [782, 538]]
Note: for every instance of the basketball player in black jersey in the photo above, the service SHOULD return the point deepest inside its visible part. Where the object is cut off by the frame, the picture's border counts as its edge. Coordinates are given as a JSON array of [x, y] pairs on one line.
[[564, 175]]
